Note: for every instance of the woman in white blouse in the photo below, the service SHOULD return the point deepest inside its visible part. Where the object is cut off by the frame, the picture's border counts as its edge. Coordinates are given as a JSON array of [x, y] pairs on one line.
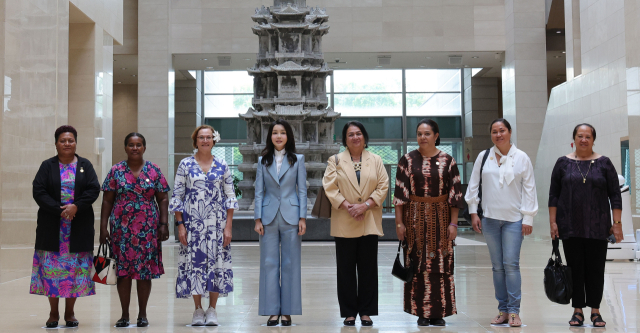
[[506, 191]]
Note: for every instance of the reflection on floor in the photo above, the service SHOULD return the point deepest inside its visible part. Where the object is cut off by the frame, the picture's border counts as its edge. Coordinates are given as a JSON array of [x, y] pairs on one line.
[[21, 312]]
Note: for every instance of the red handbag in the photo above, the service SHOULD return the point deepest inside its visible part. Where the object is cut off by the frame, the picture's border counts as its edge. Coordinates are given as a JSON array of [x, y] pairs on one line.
[[104, 267]]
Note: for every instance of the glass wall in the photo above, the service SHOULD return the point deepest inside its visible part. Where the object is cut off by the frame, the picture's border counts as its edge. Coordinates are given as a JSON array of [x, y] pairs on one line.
[[390, 103]]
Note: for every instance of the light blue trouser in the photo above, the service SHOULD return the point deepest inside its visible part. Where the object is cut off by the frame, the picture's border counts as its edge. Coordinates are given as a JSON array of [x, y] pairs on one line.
[[274, 299], [504, 240]]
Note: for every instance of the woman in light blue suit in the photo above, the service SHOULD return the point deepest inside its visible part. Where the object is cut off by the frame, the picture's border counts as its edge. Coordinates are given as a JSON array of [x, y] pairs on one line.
[[280, 213]]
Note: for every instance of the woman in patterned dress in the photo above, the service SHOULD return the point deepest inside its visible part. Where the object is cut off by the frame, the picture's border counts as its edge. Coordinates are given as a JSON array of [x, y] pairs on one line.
[[203, 202], [427, 199], [64, 188], [136, 203]]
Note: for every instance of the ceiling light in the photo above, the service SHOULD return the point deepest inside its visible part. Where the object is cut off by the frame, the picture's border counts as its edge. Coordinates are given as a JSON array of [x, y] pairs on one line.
[[557, 57], [119, 82], [564, 51], [204, 59], [209, 67], [475, 57], [133, 75], [558, 32]]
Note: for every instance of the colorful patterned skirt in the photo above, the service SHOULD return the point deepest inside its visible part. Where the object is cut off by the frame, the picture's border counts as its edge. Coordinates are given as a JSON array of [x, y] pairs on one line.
[[431, 294], [62, 274]]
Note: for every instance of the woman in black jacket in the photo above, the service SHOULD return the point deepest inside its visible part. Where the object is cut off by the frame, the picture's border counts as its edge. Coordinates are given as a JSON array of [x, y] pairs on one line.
[[64, 188]]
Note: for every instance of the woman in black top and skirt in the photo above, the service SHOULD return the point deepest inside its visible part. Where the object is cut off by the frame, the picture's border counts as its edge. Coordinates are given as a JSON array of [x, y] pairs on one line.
[[584, 190]]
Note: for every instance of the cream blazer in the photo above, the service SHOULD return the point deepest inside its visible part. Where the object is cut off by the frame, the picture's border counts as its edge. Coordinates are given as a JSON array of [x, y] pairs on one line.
[[340, 183]]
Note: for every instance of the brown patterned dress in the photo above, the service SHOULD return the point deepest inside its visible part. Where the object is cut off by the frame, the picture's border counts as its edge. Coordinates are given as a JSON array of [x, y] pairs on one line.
[[428, 187]]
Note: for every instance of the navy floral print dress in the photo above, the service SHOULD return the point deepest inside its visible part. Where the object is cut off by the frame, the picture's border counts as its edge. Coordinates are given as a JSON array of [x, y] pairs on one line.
[[134, 220], [205, 265]]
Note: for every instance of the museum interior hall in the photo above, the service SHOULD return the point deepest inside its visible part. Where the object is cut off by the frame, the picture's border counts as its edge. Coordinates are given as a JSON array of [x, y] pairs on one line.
[[162, 68]]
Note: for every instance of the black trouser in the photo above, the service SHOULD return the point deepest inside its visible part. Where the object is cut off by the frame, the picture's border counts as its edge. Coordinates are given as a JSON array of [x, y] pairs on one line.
[[586, 257], [357, 293]]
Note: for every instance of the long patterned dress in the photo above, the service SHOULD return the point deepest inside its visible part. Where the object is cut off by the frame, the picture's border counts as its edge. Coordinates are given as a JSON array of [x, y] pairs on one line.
[[63, 274], [134, 220], [205, 265], [428, 187]]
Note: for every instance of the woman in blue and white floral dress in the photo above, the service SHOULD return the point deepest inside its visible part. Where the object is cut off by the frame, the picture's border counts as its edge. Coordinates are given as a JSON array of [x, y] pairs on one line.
[[203, 202]]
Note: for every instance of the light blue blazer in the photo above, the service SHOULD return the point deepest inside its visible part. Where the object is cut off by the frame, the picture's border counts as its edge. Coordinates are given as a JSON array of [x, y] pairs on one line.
[[286, 191]]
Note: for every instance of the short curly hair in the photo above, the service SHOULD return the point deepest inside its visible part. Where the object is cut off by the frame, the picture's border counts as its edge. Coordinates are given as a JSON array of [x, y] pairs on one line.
[[194, 135], [66, 129]]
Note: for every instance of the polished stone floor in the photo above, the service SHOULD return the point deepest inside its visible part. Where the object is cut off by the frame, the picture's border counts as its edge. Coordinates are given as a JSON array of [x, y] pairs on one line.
[[21, 312]]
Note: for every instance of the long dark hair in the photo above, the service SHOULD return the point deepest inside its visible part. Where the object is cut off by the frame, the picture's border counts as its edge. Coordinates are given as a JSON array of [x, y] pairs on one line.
[[289, 147]]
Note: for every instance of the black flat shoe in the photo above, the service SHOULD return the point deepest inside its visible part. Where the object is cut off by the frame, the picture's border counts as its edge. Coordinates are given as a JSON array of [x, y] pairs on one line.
[[285, 322], [122, 323], [366, 322], [73, 323], [576, 319], [273, 322], [437, 322], [423, 321], [143, 322], [52, 324], [351, 322]]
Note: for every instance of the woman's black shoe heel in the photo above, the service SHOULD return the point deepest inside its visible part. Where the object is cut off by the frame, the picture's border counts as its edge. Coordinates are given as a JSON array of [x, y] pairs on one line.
[[351, 322], [423, 321], [73, 323], [122, 323], [598, 319], [575, 318], [142, 322], [273, 322], [286, 322]]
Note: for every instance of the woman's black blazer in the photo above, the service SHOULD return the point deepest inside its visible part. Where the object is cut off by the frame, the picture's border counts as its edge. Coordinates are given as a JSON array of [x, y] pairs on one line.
[[46, 192]]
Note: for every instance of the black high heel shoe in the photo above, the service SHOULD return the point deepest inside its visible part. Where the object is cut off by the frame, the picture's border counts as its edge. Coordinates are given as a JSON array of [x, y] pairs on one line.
[[273, 322], [286, 322]]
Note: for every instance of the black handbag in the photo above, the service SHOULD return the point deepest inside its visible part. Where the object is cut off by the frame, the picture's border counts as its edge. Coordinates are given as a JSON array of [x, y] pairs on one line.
[[557, 278], [465, 212], [403, 273]]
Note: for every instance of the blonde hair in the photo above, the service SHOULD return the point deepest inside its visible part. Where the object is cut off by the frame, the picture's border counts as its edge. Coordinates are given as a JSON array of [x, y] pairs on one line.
[[194, 135]]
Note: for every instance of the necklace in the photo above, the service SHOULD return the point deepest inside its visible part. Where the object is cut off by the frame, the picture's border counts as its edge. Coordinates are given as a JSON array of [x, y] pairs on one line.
[[357, 166], [584, 177]]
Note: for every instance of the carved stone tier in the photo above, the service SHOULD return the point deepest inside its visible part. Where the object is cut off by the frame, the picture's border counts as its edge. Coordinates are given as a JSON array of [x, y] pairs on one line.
[[289, 82]]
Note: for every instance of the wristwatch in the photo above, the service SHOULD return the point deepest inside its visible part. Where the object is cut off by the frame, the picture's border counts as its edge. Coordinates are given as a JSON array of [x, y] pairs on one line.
[[368, 205], [179, 223], [614, 222]]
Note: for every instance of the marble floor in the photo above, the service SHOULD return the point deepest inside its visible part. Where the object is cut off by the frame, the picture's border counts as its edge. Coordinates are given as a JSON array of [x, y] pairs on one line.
[[22, 312]]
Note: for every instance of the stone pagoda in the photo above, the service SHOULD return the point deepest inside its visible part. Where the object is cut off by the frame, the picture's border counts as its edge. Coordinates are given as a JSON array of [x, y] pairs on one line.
[[289, 82]]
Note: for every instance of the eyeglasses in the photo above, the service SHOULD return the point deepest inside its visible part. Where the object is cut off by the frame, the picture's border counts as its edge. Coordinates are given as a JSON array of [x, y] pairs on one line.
[[205, 138]]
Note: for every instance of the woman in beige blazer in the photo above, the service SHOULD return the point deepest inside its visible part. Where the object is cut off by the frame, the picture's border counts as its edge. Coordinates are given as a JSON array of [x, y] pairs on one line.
[[356, 184]]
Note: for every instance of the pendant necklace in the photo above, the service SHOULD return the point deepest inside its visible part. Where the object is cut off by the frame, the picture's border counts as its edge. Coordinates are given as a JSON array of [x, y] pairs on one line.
[[584, 177]]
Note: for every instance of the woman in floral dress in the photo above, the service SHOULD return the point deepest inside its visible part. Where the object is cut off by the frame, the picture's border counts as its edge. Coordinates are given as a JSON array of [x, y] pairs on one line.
[[64, 188], [133, 191], [203, 202]]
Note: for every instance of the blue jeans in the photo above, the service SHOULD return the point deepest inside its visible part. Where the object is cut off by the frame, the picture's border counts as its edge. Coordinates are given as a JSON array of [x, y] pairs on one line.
[[504, 240]]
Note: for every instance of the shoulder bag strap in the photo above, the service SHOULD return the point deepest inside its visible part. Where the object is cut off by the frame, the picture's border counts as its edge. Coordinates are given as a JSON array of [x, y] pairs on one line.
[[484, 160]]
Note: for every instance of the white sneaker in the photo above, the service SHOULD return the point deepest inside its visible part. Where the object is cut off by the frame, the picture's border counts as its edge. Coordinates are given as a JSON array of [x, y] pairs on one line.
[[212, 317], [198, 318]]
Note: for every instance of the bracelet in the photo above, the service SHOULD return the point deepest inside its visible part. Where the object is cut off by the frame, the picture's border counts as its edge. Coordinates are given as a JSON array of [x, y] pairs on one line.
[[617, 222], [453, 224]]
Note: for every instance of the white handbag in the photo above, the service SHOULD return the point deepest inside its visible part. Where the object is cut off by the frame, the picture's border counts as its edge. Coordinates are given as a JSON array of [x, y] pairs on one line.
[[104, 268]]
